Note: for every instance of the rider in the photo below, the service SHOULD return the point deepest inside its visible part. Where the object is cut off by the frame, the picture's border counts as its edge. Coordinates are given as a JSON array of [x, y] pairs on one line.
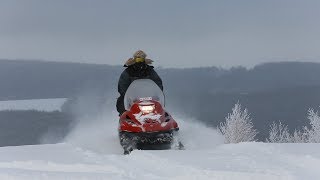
[[137, 67]]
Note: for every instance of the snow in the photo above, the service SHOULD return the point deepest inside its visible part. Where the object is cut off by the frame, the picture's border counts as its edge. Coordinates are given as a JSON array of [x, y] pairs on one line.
[[141, 118], [92, 151], [33, 104], [233, 161]]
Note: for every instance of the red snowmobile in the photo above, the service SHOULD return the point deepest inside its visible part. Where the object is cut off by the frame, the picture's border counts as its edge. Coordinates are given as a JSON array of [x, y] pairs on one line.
[[145, 124]]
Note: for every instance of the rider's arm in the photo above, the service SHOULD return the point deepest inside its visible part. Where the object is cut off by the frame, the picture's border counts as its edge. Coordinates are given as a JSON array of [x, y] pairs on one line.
[[124, 82], [155, 77]]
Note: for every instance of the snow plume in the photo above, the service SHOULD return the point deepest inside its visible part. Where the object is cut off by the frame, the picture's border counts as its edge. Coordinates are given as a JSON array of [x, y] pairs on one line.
[[196, 135], [193, 133], [96, 127], [99, 133], [96, 124]]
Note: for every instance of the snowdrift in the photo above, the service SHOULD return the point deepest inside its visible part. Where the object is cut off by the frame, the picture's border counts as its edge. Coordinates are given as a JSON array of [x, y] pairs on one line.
[[234, 161]]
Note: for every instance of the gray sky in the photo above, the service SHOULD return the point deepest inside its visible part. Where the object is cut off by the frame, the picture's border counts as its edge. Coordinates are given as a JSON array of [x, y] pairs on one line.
[[175, 33]]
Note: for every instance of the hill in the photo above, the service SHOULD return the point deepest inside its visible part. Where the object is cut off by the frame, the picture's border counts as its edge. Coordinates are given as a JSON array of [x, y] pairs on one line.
[[271, 91]]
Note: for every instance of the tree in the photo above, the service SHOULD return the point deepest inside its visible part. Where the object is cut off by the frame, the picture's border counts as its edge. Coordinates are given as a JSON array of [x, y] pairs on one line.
[[300, 136], [238, 126], [279, 133], [314, 131]]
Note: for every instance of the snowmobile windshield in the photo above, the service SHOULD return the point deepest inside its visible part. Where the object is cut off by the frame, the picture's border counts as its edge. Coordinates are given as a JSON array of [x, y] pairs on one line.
[[143, 90]]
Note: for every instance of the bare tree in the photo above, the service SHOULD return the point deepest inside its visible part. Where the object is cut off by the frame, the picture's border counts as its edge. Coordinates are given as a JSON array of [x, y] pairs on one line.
[[238, 126]]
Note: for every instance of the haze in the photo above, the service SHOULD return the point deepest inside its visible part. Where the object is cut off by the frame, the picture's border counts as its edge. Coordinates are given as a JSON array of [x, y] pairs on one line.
[[174, 33]]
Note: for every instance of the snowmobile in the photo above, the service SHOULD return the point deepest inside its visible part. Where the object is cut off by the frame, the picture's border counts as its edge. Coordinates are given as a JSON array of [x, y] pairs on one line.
[[146, 124]]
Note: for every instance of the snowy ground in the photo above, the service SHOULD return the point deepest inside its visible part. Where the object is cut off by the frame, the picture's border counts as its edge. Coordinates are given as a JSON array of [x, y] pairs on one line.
[[33, 104], [239, 161], [92, 151]]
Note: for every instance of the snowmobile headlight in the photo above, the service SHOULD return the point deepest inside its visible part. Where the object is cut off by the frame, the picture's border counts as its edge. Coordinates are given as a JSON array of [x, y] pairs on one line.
[[147, 108]]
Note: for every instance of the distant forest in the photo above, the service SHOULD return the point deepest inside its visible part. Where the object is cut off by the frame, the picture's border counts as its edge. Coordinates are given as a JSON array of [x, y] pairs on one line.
[[272, 91]]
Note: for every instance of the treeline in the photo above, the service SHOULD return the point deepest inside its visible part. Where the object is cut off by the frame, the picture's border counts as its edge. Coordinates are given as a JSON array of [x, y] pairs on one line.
[[272, 91], [38, 79]]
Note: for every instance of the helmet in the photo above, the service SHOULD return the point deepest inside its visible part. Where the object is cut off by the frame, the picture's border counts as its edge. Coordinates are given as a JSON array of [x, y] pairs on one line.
[[138, 57], [139, 54]]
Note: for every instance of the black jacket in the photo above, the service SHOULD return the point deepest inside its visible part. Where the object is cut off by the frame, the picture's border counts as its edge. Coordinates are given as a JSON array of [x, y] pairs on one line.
[[137, 71]]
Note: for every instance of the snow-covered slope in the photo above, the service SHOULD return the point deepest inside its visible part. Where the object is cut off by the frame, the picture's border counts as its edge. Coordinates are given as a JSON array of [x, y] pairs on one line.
[[33, 104], [237, 161], [92, 151]]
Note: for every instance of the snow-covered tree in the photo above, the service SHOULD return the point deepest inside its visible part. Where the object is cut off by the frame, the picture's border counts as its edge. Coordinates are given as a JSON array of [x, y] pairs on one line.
[[300, 136], [314, 131], [238, 126], [279, 133]]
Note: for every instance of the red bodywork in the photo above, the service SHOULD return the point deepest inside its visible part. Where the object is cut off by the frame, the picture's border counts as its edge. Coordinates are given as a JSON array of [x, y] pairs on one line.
[[137, 121]]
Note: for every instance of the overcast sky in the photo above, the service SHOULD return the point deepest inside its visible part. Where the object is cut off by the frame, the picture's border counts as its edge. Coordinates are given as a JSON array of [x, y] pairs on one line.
[[175, 33]]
